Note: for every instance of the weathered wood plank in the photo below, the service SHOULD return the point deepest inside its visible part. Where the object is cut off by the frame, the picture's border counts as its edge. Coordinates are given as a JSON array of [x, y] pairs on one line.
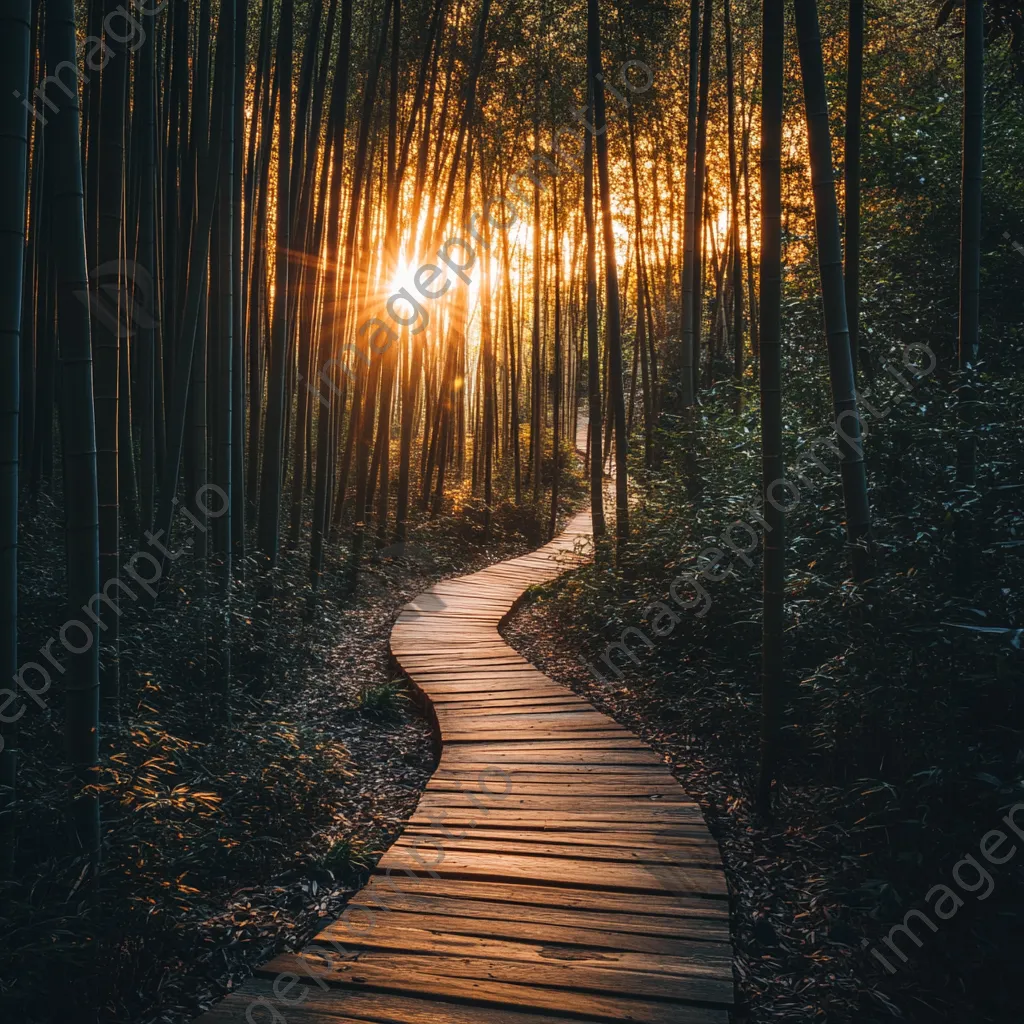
[[697, 852], [672, 908], [555, 986], [307, 1003], [500, 866], [421, 935], [699, 924]]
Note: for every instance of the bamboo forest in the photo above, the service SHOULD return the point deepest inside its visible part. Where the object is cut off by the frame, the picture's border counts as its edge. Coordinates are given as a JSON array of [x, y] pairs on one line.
[[511, 511]]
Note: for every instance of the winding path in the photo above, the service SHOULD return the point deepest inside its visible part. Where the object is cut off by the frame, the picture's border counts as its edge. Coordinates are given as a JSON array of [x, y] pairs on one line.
[[554, 870]]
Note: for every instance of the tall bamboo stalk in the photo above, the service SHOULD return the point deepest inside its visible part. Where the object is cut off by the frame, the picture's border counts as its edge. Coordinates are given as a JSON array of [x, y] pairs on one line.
[[772, 468], [78, 427], [612, 312], [833, 294], [15, 39]]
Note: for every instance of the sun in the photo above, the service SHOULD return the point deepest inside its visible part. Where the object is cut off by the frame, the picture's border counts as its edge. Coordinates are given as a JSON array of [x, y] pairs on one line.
[[402, 278]]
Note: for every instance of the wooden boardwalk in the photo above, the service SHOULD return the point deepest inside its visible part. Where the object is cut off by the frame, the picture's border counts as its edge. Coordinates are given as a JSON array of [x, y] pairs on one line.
[[553, 870]]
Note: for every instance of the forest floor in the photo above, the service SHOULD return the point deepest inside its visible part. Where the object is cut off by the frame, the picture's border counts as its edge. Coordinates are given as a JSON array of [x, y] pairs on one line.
[[235, 824]]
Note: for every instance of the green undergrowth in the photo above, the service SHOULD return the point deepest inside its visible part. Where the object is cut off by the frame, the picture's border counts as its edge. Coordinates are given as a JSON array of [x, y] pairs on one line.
[[904, 735]]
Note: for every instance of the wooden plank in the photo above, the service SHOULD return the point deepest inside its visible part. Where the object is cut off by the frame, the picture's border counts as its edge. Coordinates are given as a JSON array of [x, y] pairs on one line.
[[307, 1003], [672, 908], [698, 925], [698, 852], [422, 935], [491, 744], [550, 820], [544, 722], [560, 755], [499, 866], [606, 808], [536, 986], [681, 836], [496, 703], [582, 788], [544, 772]]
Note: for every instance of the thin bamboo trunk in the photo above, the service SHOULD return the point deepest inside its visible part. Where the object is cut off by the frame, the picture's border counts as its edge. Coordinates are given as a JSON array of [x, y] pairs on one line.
[[830, 262], [970, 283], [107, 340], [691, 225], [970, 235], [593, 352], [218, 498], [15, 40], [147, 326], [772, 468], [852, 147], [536, 386], [557, 392], [613, 321], [734, 214], [78, 431], [273, 434], [751, 299], [700, 188]]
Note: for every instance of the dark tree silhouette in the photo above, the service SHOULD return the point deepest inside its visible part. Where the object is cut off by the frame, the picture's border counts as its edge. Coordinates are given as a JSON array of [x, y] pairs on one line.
[[15, 41], [772, 469], [830, 263]]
